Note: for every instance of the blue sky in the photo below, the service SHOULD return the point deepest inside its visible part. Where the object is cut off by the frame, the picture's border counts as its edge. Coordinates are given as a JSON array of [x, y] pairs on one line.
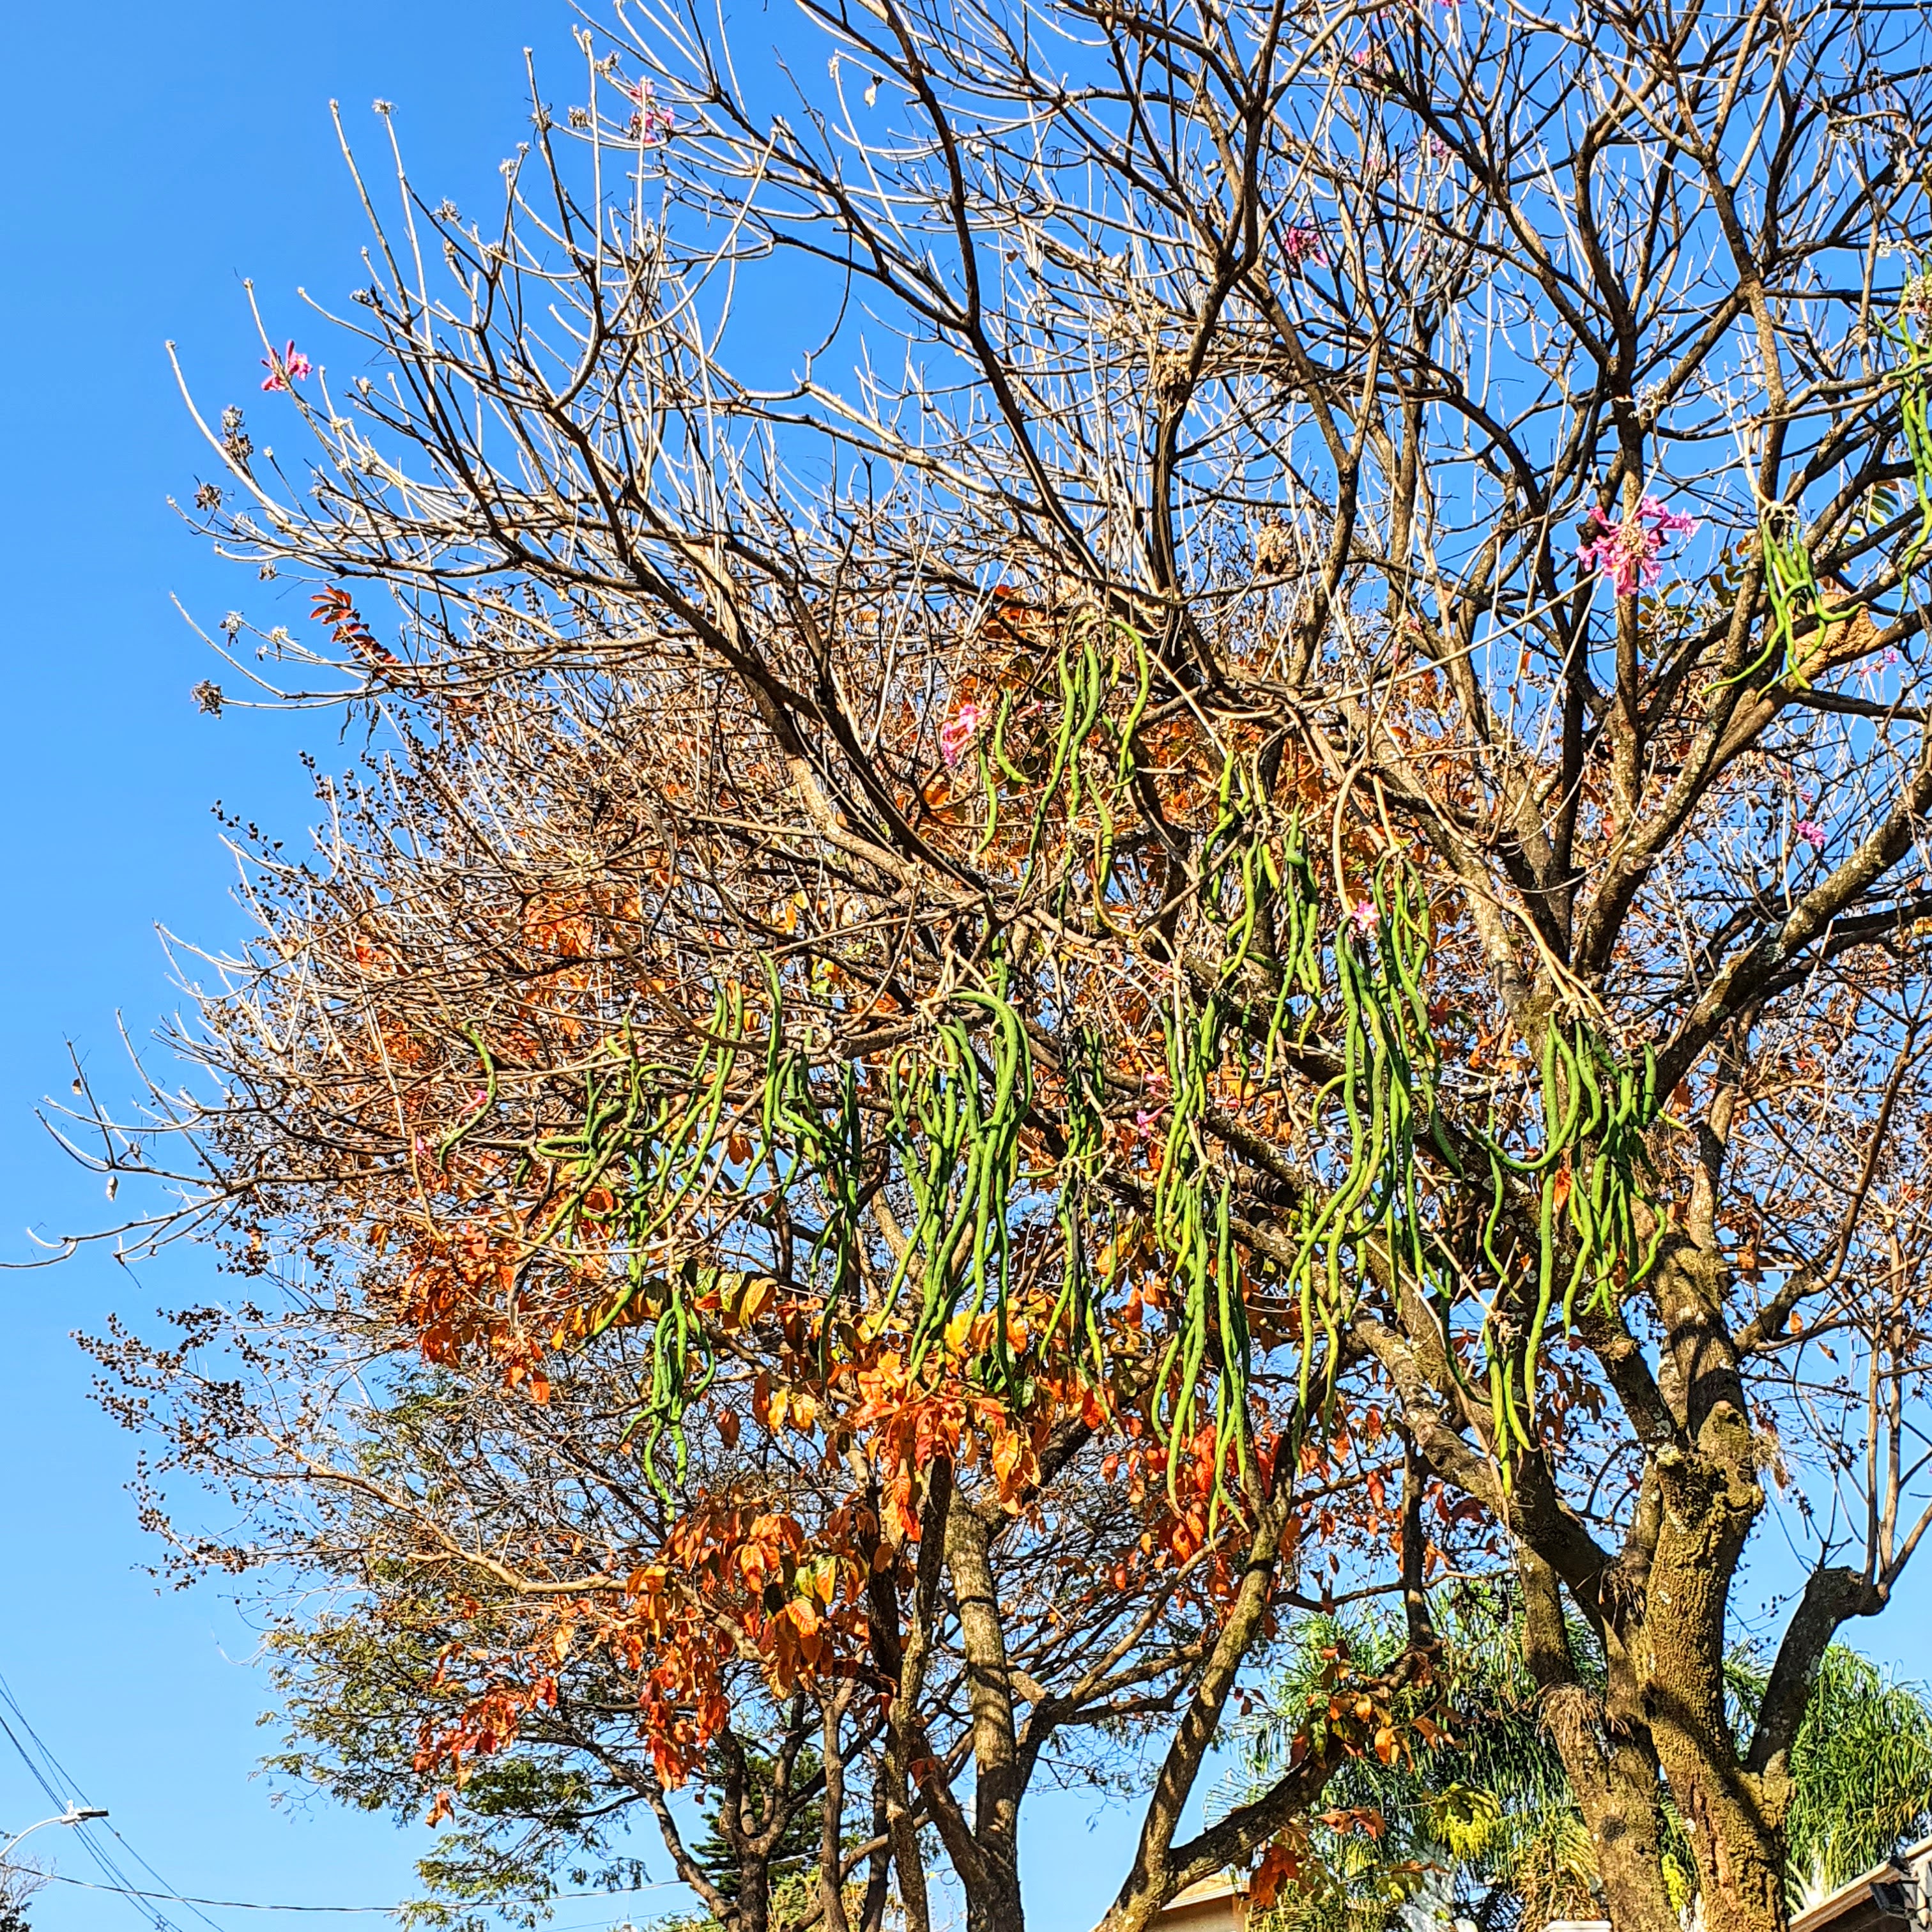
[[163, 153], [166, 152]]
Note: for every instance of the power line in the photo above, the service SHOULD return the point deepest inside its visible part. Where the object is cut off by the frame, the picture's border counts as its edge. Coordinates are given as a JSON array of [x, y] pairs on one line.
[[255, 1905], [227, 1904], [53, 1778]]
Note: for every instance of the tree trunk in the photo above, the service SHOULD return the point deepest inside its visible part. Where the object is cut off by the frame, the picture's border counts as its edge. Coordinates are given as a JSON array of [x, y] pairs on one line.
[[1733, 1818], [993, 1902], [1608, 1756], [754, 1893], [831, 1829]]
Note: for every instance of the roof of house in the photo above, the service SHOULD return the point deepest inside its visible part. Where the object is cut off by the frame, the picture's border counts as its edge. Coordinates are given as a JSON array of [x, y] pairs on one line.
[[1205, 1891], [1857, 1907]]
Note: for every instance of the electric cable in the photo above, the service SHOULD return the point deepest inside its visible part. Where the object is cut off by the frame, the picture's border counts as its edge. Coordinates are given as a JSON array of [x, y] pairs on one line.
[[58, 1783], [59, 1787], [257, 1905]]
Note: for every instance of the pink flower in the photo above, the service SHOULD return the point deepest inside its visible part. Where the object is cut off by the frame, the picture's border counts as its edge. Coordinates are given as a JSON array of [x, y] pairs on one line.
[[652, 124], [1364, 917], [1626, 553], [1671, 523], [1812, 833], [1891, 655], [1304, 244], [291, 362], [959, 732]]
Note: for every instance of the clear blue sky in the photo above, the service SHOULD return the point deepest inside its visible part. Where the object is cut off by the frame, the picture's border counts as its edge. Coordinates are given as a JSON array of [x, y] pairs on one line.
[[163, 153]]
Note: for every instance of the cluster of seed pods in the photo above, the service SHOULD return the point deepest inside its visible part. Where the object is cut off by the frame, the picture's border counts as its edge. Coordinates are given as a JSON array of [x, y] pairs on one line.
[[1791, 585], [1295, 977], [650, 1147], [1093, 664], [1591, 1208]]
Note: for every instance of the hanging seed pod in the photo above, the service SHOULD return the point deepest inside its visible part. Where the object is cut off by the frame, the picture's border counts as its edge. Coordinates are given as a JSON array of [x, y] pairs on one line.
[[1791, 584], [1597, 1112], [1080, 1203], [658, 1146]]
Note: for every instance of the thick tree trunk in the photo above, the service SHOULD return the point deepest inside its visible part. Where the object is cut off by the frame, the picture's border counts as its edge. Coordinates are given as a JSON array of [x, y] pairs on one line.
[[1616, 1783], [993, 1902], [1708, 1496], [1605, 1750], [1662, 1609], [754, 1894], [1733, 1818]]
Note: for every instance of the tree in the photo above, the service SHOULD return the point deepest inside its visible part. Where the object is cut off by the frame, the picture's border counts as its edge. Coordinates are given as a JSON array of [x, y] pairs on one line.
[[1486, 1825], [394, 1641], [1861, 1771], [1482, 1825], [1269, 876], [18, 1884]]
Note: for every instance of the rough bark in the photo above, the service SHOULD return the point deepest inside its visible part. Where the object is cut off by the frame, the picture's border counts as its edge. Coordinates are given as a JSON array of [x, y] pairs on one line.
[[1611, 1765], [1733, 1818], [1708, 1488], [993, 1898]]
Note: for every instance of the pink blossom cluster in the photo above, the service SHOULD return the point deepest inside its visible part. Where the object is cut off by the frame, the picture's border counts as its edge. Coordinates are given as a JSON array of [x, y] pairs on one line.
[[1301, 244], [959, 731], [291, 362], [651, 124], [1626, 553]]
